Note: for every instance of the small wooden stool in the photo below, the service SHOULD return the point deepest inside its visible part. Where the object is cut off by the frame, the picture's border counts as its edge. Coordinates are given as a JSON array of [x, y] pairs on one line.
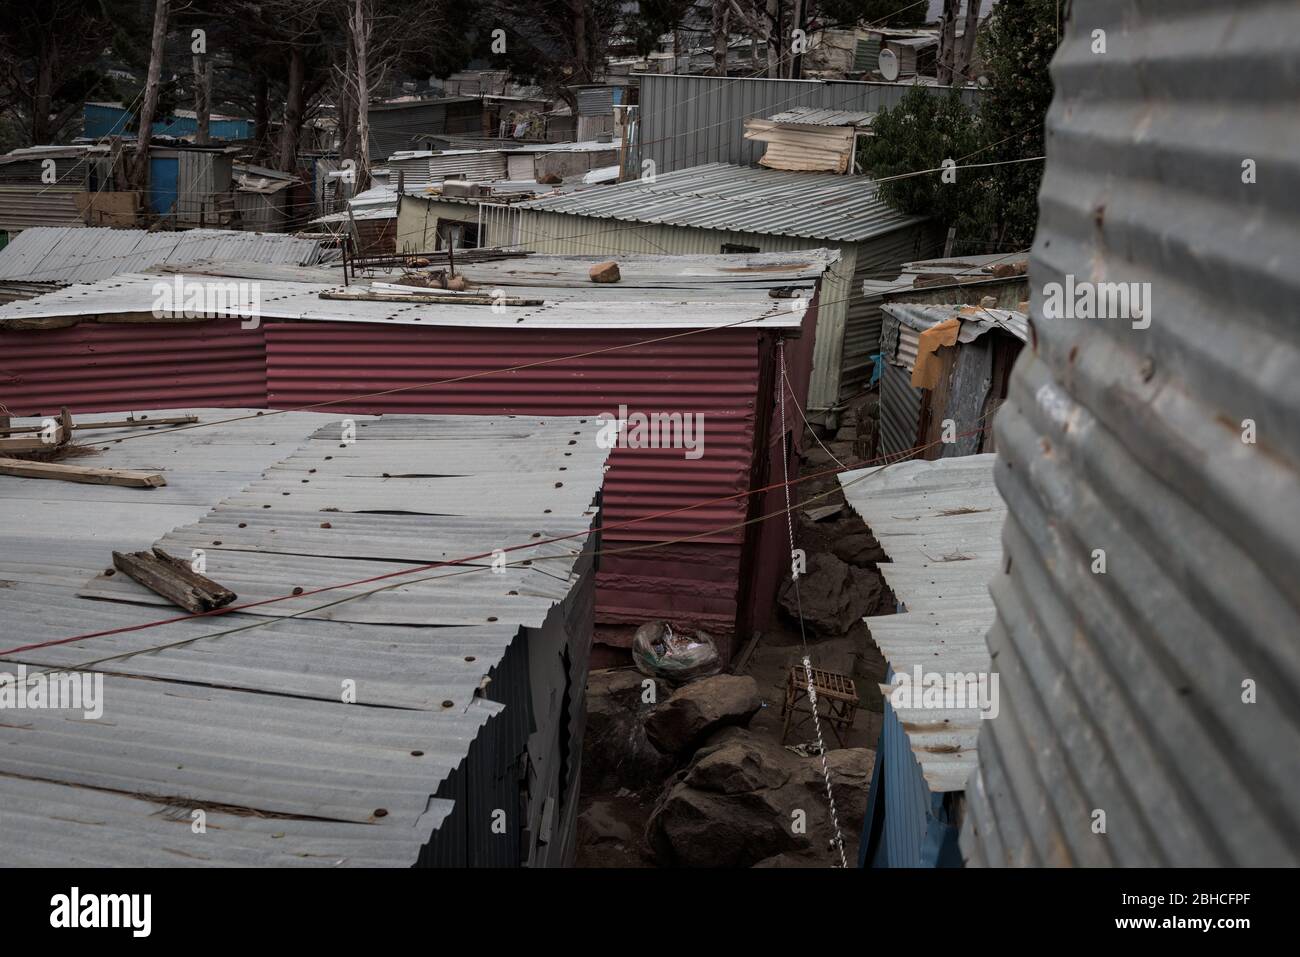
[[836, 690]]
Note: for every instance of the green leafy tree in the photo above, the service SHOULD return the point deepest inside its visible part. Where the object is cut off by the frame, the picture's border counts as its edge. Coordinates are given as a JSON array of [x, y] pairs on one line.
[[1018, 44], [993, 206], [924, 132]]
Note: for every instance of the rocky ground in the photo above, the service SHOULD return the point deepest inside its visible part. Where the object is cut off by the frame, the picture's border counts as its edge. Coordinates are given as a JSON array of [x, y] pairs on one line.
[[698, 776]]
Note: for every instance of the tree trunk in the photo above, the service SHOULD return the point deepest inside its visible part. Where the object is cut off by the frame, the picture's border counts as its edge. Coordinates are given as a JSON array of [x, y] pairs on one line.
[[966, 45], [798, 21], [773, 40], [360, 40], [292, 111], [43, 100], [721, 30], [347, 126], [140, 162], [202, 99], [581, 41], [261, 117], [947, 41]]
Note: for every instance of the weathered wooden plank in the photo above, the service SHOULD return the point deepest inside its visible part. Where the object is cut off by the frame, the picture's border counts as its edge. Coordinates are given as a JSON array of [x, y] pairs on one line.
[[77, 473], [142, 423], [447, 299], [173, 579]]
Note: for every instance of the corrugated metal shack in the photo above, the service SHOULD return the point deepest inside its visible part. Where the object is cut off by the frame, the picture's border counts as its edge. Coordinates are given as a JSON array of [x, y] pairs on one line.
[[508, 162], [721, 208], [27, 198], [188, 186], [425, 167], [101, 120], [1163, 693], [408, 125], [590, 349], [488, 217], [437, 721], [939, 523], [689, 120], [597, 104], [944, 373], [264, 198]]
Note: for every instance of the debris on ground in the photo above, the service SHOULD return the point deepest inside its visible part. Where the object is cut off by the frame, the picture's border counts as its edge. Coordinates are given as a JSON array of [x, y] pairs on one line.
[[604, 272], [173, 579], [661, 652]]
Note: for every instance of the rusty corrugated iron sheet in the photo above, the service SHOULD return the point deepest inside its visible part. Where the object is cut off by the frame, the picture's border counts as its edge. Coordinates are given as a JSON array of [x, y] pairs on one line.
[[125, 366], [1150, 707], [113, 367], [715, 374]]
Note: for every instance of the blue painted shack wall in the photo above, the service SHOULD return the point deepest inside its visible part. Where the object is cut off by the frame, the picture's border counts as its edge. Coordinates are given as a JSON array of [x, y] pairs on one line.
[[906, 824], [99, 121], [162, 184]]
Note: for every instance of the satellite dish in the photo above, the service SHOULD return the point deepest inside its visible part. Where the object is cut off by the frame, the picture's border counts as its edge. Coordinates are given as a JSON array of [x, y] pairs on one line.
[[887, 64]]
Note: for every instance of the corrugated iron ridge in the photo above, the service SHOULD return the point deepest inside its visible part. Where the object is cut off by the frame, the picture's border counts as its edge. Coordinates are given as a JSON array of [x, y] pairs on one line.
[[1123, 692]]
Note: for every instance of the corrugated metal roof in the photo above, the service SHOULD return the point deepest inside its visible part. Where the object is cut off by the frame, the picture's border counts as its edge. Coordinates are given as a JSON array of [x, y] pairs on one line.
[[1127, 692], [818, 116], [425, 169], [720, 196], [975, 320], [963, 267], [940, 524], [655, 292], [252, 725], [68, 255]]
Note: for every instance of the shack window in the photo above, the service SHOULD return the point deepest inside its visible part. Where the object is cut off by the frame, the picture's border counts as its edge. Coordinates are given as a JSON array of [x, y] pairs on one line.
[[465, 235], [735, 248]]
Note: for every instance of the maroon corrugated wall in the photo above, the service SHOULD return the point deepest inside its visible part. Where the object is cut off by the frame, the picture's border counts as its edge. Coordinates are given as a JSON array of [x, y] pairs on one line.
[[117, 367], [721, 374], [715, 374]]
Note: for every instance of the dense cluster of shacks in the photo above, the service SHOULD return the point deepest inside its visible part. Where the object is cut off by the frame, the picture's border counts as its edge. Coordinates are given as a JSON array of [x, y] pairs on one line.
[[492, 138], [413, 392]]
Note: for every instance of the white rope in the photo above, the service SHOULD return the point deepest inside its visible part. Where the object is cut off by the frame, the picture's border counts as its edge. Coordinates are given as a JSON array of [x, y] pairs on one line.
[[838, 841]]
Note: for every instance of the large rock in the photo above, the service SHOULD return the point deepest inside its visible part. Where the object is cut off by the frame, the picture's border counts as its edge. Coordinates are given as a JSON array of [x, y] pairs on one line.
[[615, 751], [735, 767], [600, 824], [604, 272], [833, 594], [850, 779], [745, 801], [699, 708], [858, 548]]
